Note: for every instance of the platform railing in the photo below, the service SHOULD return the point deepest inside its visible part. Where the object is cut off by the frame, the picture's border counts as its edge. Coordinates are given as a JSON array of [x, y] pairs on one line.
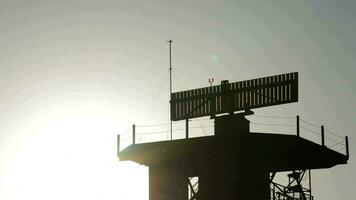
[[328, 138], [205, 127], [139, 133]]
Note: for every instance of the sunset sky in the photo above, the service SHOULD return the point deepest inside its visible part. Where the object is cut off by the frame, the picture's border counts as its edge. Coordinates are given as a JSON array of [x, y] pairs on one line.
[[74, 74]]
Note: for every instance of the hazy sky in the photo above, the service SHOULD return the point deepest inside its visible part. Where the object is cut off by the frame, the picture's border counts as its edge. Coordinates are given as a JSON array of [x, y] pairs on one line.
[[73, 74]]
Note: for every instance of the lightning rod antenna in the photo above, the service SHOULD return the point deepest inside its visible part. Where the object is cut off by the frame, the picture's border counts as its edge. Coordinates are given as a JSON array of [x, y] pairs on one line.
[[170, 84]]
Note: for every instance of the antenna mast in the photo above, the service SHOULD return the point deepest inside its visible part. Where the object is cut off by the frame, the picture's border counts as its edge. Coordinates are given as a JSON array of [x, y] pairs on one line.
[[170, 84]]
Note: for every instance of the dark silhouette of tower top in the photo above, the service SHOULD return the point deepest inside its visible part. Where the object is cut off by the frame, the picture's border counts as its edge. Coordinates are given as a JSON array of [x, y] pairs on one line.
[[234, 163]]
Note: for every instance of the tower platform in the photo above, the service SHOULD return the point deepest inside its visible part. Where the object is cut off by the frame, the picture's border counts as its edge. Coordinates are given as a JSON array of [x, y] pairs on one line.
[[279, 152], [233, 164]]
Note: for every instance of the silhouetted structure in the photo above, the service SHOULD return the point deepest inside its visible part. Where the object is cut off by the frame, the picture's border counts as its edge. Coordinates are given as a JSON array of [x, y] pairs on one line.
[[234, 163]]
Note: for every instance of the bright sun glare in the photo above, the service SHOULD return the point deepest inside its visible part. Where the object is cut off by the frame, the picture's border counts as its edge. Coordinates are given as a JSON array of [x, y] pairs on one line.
[[69, 153]]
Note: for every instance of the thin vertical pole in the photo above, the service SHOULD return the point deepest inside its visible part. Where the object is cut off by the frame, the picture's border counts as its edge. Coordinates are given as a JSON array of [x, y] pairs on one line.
[[310, 188], [187, 128], [298, 130], [133, 134], [322, 136], [170, 84], [347, 146], [118, 145]]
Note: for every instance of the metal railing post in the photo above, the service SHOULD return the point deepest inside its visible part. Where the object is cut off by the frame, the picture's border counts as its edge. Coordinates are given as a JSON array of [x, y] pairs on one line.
[[133, 134], [347, 146], [298, 128], [322, 136]]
